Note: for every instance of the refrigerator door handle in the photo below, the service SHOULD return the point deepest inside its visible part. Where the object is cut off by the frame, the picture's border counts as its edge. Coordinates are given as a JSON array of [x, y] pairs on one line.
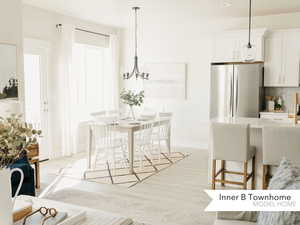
[[232, 96], [236, 95]]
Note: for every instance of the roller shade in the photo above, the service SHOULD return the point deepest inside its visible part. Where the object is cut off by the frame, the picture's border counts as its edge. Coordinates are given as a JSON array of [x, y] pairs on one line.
[[89, 38]]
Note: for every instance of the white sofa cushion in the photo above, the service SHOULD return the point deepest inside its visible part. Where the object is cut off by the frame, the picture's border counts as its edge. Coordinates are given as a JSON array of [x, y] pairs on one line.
[[232, 222]]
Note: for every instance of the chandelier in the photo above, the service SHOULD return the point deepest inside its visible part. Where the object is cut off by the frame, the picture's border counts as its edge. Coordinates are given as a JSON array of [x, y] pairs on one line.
[[136, 72]]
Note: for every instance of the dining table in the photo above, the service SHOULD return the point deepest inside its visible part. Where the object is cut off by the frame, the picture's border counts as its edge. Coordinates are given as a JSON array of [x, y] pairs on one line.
[[130, 127]]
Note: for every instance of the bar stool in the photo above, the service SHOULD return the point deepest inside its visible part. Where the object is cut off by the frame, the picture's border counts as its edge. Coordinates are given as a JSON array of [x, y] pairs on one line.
[[279, 143], [231, 142]]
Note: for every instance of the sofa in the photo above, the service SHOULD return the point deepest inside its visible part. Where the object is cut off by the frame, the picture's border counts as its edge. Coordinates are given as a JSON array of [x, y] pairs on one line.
[[27, 187], [232, 222], [236, 218]]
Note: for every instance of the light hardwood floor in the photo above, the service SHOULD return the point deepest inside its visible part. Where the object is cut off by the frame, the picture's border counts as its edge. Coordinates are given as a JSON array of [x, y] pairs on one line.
[[173, 197]]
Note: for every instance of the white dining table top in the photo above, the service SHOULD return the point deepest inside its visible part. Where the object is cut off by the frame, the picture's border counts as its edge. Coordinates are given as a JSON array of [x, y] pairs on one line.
[[132, 124]]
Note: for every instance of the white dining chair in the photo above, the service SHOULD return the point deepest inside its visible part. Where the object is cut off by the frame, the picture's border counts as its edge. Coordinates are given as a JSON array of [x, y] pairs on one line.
[[113, 113], [143, 143], [96, 115], [279, 143], [162, 133], [109, 145], [231, 142]]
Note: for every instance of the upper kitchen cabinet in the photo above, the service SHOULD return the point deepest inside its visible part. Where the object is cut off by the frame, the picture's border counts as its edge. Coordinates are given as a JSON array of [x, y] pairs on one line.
[[229, 46], [282, 58]]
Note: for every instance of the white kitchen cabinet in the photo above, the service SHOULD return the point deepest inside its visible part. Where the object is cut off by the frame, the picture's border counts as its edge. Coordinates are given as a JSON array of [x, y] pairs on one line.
[[273, 60], [229, 46], [282, 58]]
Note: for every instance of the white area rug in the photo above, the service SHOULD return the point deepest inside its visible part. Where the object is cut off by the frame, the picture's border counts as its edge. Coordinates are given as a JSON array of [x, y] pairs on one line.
[[118, 174], [174, 196]]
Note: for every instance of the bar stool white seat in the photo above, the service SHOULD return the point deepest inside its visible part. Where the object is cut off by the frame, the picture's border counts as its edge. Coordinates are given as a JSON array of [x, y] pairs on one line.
[[231, 142], [279, 143]]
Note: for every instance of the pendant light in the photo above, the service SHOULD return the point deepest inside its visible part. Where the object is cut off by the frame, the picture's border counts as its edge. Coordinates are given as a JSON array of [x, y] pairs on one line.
[[136, 72], [249, 49]]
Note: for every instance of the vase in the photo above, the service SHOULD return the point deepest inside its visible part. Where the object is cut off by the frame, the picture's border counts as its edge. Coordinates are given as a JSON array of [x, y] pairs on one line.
[[132, 112], [6, 201]]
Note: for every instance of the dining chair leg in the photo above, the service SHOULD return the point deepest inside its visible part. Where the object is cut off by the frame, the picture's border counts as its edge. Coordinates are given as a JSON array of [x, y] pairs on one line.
[[253, 184], [245, 175], [213, 182], [223, 172]]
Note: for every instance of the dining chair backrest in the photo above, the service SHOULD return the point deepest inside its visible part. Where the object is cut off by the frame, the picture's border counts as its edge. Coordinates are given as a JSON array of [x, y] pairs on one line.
[[145, 132], [97, 115], [113, 113], [279, 143], [165, 114], [148, 116], [105, 135], [230, 141]]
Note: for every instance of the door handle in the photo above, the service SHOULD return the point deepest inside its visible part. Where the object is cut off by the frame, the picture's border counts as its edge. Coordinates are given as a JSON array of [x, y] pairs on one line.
[[231, 96], [237, 94]]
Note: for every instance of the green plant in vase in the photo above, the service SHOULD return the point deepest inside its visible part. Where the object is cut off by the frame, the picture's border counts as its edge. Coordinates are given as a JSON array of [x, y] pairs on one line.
[[132, 99]]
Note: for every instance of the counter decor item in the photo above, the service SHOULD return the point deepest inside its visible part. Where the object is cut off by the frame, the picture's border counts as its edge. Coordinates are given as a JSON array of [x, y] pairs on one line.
[[132, 99], [278, 104], [15, 137], [270, 103]]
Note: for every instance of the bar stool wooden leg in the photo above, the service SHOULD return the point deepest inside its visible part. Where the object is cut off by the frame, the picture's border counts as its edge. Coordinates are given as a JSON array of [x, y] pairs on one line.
[[223, 172], [213, 182], [253, 184], [265, 177], [245, 175]]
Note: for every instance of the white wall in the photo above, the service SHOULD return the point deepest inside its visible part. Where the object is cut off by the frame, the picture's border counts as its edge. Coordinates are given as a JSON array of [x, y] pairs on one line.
[[11, 33], [188, 41], [41, 24]]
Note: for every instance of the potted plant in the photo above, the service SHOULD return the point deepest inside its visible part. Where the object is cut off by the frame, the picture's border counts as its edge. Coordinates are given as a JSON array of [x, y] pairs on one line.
[[132, 99], [15, 137]]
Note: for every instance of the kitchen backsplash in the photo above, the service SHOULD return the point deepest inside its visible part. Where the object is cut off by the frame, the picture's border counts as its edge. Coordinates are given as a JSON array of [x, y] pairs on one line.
[[285, 93]]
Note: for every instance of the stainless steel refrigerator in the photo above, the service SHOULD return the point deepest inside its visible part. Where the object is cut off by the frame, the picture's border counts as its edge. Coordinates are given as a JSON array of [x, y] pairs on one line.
[[236, 89]]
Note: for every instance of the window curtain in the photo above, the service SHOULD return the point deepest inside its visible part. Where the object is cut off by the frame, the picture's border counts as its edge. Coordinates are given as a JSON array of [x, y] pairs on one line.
[[113, 100], [109, 89], [69, 127], [64, 127]]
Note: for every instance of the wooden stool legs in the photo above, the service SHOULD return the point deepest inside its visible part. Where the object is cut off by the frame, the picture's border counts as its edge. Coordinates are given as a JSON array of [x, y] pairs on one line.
[[213, 183], [265, 176], [245, 175], [223, 171], [253, 184]]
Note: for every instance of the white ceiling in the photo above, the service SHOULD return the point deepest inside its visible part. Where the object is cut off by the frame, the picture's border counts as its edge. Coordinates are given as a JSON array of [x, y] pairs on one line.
[[114, 12]]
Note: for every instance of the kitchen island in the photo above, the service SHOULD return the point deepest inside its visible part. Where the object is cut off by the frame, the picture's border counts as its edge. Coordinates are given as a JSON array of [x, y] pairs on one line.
[[256, 126]]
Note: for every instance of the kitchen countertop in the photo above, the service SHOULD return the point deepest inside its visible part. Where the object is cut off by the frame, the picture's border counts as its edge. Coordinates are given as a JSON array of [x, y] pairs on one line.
[[254, 122]]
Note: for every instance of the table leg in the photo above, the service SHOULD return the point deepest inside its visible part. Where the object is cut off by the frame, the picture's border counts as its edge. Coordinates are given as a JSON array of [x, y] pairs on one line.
[[169, 141], [89, 152], [131, 150]]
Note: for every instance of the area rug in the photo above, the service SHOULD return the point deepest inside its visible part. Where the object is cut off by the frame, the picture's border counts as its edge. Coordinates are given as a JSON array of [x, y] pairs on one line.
[[118, 174]]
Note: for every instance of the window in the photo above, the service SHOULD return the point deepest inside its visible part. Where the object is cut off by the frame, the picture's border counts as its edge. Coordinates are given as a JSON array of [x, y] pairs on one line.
[[91, 73]]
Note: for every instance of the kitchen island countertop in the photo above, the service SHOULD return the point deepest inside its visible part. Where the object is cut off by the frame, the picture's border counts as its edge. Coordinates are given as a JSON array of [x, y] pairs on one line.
[[254, 122]]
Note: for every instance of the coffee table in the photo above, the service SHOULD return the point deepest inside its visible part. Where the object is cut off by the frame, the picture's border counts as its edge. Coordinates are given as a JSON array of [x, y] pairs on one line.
[[93, 217]]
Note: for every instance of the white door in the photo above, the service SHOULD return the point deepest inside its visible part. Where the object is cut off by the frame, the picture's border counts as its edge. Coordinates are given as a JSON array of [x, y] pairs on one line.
[[273, 60], [36, 54]]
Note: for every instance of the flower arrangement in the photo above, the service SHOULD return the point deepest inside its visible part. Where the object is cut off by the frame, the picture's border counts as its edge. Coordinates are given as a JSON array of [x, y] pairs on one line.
[[15, 137], [132, 99]]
